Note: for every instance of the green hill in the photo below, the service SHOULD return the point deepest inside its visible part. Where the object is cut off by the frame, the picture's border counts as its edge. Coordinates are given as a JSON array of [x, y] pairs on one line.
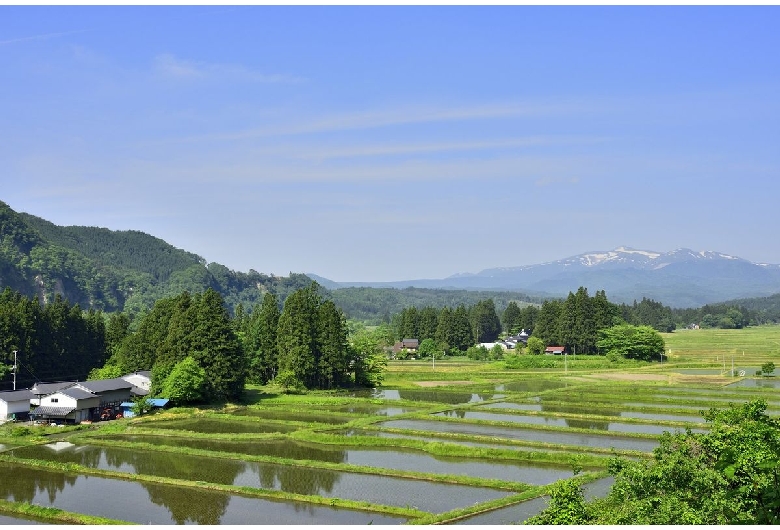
[[116, 270]]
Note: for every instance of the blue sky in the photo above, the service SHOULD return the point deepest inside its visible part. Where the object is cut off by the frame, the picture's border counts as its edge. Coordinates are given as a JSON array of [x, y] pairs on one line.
[[390, 143]]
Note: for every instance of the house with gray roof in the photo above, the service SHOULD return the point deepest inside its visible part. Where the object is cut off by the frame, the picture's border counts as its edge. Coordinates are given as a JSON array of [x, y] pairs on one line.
[[44, 389], [112, 392], [15, 404], [69, 405]]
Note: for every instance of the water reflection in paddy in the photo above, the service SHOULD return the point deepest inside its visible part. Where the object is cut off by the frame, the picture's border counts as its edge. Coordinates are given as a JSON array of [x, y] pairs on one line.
[[566, 438], [532, 385], [426, 495], [564, 409], [434, 396], [374, 410], [10, 520], [577, 423], [147, 503], [382, 434], [214, 425], [321, 417], [385, 458], [756, 383], [519, 512]]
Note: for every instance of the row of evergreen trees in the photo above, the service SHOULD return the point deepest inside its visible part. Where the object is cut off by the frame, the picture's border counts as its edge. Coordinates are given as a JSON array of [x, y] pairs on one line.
[[304, 345], [57, 340], [573, 322], [457, 329]]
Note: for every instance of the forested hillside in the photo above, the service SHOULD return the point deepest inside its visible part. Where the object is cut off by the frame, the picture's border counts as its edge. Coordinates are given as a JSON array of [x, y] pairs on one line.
[[380, 304], [110, 270]]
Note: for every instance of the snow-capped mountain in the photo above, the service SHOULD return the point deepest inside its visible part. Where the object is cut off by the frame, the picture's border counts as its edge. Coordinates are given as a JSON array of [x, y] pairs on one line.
[[680, 278]]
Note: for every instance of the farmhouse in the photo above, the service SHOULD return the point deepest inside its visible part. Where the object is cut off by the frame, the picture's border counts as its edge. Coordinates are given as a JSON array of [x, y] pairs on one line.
[[15, 405], [406, 344], [44, 389], [71, 405], [554, 350], [112, 392]]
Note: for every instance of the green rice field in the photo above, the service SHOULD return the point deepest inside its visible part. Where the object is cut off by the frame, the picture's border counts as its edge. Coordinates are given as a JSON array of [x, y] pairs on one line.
[[464, 442]]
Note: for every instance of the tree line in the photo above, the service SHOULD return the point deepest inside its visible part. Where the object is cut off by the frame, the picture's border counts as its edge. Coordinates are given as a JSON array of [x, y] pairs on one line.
[[189, 337], [58, 340]]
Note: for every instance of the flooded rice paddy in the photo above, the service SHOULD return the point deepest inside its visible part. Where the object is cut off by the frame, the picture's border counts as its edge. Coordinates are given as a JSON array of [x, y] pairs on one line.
[[428, 496], [280, 450], [555, 437], [577, 423], [386, 458], [148, 503]]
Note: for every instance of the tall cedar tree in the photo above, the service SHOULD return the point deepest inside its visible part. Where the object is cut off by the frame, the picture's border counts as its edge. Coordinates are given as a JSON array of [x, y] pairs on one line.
[[296, 337], [444, 328], [485, 322], [547, 322], [216, 347], [427, 323], [261, 340], [511, 318], [462, 334], [333, 346]]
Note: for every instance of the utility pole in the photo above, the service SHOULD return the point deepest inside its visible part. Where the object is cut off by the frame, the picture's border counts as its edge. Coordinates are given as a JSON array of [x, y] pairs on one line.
[[15, 369]]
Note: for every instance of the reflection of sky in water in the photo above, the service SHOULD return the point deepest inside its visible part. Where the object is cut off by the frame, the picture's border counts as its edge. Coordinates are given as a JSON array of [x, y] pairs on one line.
[[580, 423], [756, 383], [521, 511], [567, 438], [428, 495], [149, 504]]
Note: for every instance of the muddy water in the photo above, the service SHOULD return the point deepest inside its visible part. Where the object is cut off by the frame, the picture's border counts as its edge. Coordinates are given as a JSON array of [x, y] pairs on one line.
[[163, 504], [391, 459], [425, 495], [567, 438]]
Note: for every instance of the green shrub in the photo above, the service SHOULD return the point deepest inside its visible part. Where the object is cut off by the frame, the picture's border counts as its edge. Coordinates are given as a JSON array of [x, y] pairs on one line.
[[21, 431]]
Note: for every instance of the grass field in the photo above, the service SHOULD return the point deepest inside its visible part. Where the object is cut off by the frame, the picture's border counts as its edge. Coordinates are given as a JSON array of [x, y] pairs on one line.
[[755, 345]]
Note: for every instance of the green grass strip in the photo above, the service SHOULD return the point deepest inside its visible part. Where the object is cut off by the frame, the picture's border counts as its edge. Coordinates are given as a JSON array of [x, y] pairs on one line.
[[54, 515]]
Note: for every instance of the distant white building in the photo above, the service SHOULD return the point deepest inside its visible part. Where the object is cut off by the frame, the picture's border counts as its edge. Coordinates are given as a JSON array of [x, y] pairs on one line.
[[141, 379]]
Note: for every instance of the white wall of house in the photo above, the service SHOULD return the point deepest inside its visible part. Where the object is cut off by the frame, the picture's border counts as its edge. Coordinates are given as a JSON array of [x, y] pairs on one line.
[[141, 381], [61, 400], [9, 408]]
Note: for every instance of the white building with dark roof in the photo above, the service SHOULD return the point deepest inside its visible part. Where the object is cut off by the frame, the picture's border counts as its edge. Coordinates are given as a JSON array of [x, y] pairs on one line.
[[111, 392], [15, 404], [70, 404]]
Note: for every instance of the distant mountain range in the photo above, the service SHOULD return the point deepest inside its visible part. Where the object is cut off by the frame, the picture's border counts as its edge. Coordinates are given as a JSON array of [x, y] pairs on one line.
[[129, 270], [680, 278]]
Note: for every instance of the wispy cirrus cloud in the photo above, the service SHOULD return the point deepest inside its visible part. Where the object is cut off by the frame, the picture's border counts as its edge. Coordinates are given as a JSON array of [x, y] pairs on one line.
[[439, 147], [43, 36], [171, 66], [402, 116]]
